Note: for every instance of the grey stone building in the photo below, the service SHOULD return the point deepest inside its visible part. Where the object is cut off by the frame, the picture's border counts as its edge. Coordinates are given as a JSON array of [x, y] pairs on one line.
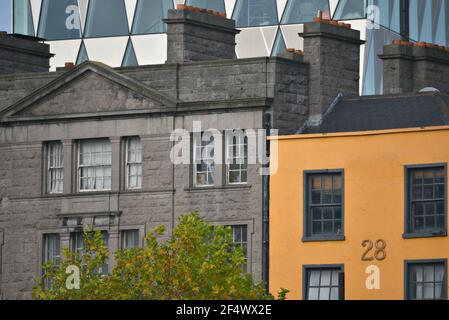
[[90, 145]]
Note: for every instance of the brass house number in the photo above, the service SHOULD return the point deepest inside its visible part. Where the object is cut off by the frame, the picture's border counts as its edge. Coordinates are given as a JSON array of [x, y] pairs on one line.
[[374, 250]]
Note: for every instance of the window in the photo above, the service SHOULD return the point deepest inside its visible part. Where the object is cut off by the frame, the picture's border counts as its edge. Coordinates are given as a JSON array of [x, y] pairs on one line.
[[217, 5], [95, 165], [323, 283], [77, 242], [323, 200], [236, 157], [350, 9], [254, 13], [55, 167], [77, 246], [100, 15], [23, 17], [51, 253], [426, 280], [134, 163], [426, 193], [149, 15], [240, 234], [59, 20], [203, 160], [302, 11], [130, 239]]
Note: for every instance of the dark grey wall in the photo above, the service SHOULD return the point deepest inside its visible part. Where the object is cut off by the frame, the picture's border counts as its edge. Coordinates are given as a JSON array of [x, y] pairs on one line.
[[20, 55]]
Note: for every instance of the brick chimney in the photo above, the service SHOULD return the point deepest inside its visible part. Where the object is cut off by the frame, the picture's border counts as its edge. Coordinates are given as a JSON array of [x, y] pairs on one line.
[[410, 67], [196, 34], [20, 54], [332, 50]]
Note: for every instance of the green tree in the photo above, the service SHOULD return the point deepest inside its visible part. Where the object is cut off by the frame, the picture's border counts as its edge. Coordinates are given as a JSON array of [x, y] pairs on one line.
[[199, 261]]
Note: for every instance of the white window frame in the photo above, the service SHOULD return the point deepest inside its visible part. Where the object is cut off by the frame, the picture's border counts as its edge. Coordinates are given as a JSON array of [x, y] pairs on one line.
[[130, 163], [79, 166], [200, 160], [54, 168], [230, 160]]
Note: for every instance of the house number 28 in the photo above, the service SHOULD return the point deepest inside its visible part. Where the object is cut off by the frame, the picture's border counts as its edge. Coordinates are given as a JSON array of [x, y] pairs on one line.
[[379, 248]]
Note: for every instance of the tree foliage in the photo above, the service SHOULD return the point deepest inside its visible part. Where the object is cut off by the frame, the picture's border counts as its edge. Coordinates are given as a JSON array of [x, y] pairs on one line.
[[198, 262]]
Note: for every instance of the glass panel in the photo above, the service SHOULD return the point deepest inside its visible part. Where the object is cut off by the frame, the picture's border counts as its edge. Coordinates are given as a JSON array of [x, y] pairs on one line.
[[253, 13], [314, 278], [5, 16], [100, 15], [325, 278], [149, 15], [279, 44], [217, 5], [23, 18], [59, 20], [301, 11], [324, 293], [130, 59], [350, 9], [82, 54], [313, 294]]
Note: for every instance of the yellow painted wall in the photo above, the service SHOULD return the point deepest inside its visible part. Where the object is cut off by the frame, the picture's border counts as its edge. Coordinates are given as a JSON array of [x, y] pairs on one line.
[[373, 206]]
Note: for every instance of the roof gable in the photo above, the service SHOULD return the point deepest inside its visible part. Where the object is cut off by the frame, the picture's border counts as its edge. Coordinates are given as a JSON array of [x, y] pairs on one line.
[[89, 89]]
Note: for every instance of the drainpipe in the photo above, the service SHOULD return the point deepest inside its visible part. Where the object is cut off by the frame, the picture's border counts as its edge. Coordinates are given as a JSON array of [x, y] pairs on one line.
[[266, 207], [405, 19]]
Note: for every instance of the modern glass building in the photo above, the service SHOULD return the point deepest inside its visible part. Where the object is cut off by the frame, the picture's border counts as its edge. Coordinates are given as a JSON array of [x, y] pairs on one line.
[[130, 32]]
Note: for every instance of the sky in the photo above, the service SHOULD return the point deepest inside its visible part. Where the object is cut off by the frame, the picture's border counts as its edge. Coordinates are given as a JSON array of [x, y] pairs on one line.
[[5, 15]]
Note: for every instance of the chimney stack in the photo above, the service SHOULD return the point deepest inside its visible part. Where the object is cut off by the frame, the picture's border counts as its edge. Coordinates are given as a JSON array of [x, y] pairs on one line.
[[196, 34], [410, 67], [20, 54], [332, 50]]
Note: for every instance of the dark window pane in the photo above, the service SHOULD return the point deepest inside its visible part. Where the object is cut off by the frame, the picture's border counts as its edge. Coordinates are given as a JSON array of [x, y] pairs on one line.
[[149, 15], [428, 191], [417, 192], [328, 213], [217, 5], [419, 223], [350, 9], [418, 209], [23, 18], [417, 177], [316, 197], [100, 15], [254, 13], [439, 191], [59, 20], [301, 11], [337, 213], [337, 197], [327, 196], [316, 214], [328, 227], [316, 227]]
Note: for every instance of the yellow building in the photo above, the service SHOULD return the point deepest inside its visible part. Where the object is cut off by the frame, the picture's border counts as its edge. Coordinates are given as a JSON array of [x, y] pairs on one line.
[[358, 205]]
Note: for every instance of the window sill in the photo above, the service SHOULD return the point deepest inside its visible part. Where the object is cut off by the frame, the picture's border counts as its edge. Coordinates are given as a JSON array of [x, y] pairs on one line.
[[219, 188], [418, 235], [324, 238]]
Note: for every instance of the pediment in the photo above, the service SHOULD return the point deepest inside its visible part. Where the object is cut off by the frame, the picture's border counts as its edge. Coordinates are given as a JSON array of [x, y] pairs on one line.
[[89, 89]]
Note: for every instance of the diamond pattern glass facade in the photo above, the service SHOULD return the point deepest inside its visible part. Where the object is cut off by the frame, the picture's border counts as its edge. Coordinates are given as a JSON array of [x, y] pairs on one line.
[[87, 28]]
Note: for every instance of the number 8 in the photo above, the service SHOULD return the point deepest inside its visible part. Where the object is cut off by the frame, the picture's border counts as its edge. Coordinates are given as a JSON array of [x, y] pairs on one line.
[[380, 253]]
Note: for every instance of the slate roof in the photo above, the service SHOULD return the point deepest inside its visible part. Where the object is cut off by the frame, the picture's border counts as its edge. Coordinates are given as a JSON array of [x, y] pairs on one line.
[[382, 112]]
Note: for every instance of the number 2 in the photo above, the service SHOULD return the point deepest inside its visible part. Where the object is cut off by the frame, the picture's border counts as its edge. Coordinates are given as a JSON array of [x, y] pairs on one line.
[[379, 254]]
